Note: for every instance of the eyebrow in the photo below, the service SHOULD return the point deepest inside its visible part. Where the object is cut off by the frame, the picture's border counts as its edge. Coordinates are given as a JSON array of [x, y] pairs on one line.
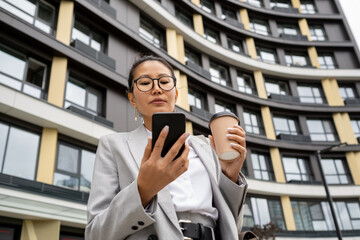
[[159, 75]]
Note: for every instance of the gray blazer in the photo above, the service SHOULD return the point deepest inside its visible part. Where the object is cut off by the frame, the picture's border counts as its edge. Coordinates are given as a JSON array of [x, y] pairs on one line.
[[115, 210]]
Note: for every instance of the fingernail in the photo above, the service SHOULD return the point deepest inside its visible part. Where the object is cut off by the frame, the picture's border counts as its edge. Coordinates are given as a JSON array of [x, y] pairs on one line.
[[186, 135], [166, 129], [232, 144], [230, 129], [229, 135]]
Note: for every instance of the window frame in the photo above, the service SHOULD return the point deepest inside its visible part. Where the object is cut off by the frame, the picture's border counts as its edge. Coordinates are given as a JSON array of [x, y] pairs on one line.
[[287, 119], [155, 29], [345, 167], [269, 168], [312, 87], [228, 107], [345, 87], [313, 33], [208, 32], [219, 68], [274, 3], [309, 171], [247, 78], [259, 50], [286, 88], [326, 65], [304, 6], [212, 8], [259, 22], [183, 17], [258, 119], [200, 95], [331, 125], [292, 55]]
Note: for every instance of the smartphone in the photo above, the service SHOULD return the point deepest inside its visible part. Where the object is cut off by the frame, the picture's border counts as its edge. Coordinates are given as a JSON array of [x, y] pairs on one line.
[[176, 123]]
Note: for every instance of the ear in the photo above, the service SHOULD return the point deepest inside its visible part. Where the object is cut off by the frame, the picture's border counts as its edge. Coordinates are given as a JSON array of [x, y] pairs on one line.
[[131, 98]]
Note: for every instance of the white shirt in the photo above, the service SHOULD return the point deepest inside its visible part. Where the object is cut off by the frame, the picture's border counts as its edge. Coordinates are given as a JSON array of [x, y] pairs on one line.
[[191, 191]]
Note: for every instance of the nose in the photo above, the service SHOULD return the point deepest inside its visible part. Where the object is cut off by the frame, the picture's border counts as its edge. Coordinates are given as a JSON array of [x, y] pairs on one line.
[[156, 88]]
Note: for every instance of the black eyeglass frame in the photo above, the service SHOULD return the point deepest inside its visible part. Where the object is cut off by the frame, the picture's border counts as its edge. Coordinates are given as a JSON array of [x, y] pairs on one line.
[[153, 79]]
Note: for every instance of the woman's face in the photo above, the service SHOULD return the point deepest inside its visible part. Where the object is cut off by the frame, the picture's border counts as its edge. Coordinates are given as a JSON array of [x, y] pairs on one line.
[[155, 100]]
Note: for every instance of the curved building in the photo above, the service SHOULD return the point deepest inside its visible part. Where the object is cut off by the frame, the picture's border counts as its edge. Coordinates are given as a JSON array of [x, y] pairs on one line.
[[290, 69]]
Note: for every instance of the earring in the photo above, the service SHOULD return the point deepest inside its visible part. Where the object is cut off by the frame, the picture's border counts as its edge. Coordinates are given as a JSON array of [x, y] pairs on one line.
[[136, 115]]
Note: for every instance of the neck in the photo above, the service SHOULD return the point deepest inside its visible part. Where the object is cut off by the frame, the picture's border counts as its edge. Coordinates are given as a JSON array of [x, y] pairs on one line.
[[148, 123]]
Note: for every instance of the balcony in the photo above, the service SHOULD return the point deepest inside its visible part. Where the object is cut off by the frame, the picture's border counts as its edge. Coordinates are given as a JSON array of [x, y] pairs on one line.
[[234, 22], [288, 10], [201, 112], [298, 37], [284, 98], [198, 69], [104, 6], [294, 138], [352, 101], [83, 113]]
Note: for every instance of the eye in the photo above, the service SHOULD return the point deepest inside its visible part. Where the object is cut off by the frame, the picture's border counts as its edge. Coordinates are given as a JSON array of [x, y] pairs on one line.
[[165, 80], [144, 81]]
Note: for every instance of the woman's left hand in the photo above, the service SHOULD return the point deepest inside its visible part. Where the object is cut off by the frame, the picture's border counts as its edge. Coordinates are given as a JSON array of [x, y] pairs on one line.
[[232, 168]]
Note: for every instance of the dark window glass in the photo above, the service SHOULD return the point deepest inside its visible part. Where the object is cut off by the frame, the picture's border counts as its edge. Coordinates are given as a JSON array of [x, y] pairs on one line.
[[259, 27], [266, 55], [296, 59], [196, 99], [83, 96], [297, 168], [18, 151], [207, 6], [317, 33], [321, 130], [347, 92], [310, 94], [256, 3], [349, 215], [288, 29], [22, 72], [191, 55], [307, 7], [276, 87], [262, 166], [253, 122], [88, 36], [228, 13], [211, 35], [41, 14], [336, 171], [74, 167], [326, 61], [260, 211], [183, 17], [285, 125], [222, 106], [280, 3], [356, 127], [219, 74], [151, 33], [245, 83], [235, 45]]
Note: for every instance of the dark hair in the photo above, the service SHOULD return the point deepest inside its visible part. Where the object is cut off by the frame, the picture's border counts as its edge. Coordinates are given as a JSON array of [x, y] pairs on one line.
[[146, 58]]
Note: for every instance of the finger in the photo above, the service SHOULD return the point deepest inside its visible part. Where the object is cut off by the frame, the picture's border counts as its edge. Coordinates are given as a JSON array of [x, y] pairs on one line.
[[237, 130], [212, 143], [240, 140], [182, 162], [240, 149], [174, 150], [159, 144], [147, 152]]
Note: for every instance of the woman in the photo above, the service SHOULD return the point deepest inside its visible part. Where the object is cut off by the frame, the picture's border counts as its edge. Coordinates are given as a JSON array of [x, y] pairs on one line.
[[136, 194]]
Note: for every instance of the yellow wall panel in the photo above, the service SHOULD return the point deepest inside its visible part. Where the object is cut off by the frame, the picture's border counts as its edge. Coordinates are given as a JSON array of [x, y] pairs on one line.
[[296, 4], [313, 57], [277, 165], [288, 213], [189, 127], [180, 48], [198, 24], [196, 2], [47, 156], [245, 18], [304, 28], [183, 90], [64, 25], [260, 84], [57, 81], [332, 92], [268, 123], [353, 162], [40, 230], [344, 128], [250, 45], [171, 42]]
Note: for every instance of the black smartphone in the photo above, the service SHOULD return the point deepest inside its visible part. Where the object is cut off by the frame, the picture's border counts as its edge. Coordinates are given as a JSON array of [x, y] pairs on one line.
[[176, 123]]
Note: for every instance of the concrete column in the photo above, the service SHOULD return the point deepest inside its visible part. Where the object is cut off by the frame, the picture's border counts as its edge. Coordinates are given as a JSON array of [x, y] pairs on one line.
[[288, 213], [64, 23], [47, 156], [40, 230]]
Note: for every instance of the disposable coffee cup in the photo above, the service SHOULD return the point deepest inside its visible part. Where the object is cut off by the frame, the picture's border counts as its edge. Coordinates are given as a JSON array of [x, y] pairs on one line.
[[219, 124]]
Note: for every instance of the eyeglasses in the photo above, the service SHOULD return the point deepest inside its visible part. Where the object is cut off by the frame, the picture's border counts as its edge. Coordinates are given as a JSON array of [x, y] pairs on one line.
[[145, 84]]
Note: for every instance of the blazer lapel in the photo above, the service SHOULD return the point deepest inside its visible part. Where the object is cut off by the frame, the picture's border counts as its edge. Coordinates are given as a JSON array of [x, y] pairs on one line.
[[137, 141]]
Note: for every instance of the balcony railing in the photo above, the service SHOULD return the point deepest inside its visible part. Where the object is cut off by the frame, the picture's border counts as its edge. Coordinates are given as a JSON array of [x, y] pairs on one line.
[[193, 66]]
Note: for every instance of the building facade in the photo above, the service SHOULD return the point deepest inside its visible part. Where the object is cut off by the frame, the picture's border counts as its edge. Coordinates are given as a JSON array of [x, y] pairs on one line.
[[290, 69]]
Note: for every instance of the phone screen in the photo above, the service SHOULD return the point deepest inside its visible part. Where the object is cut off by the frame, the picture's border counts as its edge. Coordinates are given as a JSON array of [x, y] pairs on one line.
[[176, 123]]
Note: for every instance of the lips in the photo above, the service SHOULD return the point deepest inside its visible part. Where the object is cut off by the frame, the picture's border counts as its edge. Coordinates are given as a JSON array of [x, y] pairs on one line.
[[158, 101]]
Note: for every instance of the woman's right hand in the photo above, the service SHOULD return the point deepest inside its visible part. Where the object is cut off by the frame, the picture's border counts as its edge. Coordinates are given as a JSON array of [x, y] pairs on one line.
[[155, 171]]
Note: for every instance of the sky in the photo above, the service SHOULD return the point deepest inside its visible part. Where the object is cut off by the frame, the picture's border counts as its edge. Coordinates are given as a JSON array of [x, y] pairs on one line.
[[351, 10]]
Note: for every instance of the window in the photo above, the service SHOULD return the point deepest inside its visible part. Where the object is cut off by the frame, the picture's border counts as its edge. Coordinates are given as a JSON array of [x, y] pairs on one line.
[[22, 72], [326, 61], [151, 33], [296, 59], [288, 29], [347, 92], [280, 3], [184, 18], [261, 164], [74, 167], [297, 168], [321, 130], [228, 13], [256, 3], [196, 99], [261, 211], [207, 6], [285, 126], [259, 27], [356, 127], [317, 33], [235, 45], [219, 74], [310, 94], [335, 171], [307, 7], [245, 83], [211, 35], [19, 151], [224, 107], [38, 13], [276, 87], [192, 56], [266, 55], [83, 96], [310, 215], [88, 36], [252, 122]]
